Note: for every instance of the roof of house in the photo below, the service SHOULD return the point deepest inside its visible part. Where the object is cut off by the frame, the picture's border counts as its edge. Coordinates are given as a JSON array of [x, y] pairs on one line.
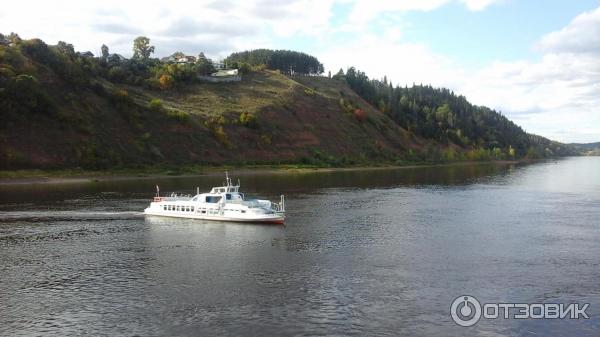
[[178, 58]]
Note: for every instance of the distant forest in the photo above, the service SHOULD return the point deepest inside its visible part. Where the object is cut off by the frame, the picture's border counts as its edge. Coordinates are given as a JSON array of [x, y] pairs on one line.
[[286, 61], [440, 114]]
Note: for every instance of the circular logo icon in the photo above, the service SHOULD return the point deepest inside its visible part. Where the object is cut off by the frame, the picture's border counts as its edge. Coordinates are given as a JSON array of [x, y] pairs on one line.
[[465, 310]]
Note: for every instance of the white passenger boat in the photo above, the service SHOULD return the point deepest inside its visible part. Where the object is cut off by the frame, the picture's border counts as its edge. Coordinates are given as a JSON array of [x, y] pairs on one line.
[[223, 203]]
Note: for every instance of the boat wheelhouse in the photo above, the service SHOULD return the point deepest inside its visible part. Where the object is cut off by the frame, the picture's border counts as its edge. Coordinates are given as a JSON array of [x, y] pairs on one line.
[[222, 203]]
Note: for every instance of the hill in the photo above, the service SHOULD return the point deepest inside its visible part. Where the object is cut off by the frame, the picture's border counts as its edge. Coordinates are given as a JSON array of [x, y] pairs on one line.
[[588, 149], [64, 109]]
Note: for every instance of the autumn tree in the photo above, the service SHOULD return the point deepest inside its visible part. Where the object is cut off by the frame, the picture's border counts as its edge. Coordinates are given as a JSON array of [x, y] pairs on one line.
[[142, 48], [166, 81]]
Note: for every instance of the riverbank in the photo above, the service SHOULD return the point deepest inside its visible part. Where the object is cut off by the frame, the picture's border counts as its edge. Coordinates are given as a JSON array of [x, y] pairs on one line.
[[82, 176]]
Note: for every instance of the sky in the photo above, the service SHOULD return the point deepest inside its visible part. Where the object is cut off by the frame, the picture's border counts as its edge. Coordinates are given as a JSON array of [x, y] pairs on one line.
[[538, 62]]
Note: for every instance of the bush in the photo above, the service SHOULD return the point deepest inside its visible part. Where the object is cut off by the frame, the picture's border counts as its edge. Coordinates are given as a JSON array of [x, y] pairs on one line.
[[98, 89], [166, 82], [181, 116], [309, 92], [265, 139], [122, 94], [244, 68], [155, 104], [39, 51], [117, 74], [248, 119], [449, 155], [221, 136], [360, 115]]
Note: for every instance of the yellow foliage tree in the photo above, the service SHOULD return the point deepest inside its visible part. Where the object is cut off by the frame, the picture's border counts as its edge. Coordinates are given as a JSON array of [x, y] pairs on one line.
[[166, 82]]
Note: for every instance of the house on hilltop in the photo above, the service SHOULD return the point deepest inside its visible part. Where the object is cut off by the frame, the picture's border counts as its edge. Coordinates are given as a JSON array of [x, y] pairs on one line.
[[222, 75], [178, 58]]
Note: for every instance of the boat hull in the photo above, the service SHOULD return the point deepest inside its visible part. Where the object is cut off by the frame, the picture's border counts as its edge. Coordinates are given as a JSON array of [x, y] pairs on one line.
[[274, 219]]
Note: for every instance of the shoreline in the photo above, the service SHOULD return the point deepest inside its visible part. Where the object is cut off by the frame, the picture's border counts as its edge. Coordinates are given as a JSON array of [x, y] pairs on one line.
[[68, 177]]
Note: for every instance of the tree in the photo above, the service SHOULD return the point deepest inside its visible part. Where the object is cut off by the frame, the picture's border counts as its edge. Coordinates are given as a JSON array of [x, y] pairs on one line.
[[202, 58], [244, 68], [286, 61], [166, 81], [105, 52], [340, 75], [14, 38], [66, 48], [142, 48], [204, 65], [511, 151]]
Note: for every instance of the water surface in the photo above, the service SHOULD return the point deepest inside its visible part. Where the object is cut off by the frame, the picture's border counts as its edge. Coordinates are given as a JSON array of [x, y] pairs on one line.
[[380, 252]]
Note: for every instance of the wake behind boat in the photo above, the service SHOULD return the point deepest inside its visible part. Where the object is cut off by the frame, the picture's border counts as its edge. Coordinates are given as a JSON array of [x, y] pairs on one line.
[[222, 203]]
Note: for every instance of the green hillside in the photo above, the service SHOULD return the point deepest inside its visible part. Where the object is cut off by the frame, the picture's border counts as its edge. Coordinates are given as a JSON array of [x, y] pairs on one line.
[[65, 109], [588, 149]]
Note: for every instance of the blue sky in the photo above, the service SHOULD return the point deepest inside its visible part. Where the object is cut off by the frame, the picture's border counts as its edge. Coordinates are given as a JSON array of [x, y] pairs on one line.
[[505, 31], [536, 61]]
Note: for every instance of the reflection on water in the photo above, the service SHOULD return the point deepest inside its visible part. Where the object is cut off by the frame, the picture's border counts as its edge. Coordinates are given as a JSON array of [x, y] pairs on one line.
[[362, 253]]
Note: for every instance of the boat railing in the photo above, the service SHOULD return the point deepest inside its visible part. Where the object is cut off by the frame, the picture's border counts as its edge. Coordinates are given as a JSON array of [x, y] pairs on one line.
[[173, 197], [279, 207]]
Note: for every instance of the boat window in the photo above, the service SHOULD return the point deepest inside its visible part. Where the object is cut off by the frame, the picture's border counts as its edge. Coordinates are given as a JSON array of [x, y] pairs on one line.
[[213, 199], [243, 211], [192, 208], [228, 196], [203, 212]]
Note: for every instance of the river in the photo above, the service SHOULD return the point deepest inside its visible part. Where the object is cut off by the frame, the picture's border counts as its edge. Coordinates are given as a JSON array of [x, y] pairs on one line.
[[370, 252]]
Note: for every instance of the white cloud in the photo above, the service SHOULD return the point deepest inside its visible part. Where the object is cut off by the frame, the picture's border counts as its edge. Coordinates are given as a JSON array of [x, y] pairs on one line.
[[403, 63], [582, 35], [557, 96], [366, 10], [477, 5], [216, 27]]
